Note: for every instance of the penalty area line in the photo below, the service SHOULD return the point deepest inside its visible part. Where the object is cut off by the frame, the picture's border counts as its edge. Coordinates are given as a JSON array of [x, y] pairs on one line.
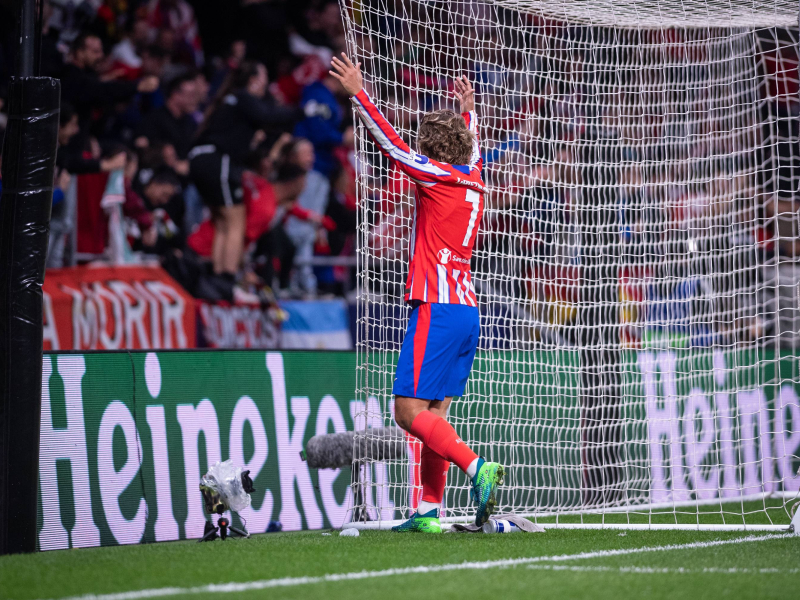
[[245, 586]]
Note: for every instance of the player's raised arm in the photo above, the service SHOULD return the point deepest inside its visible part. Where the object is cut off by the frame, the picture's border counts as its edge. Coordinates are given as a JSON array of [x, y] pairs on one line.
[[416, 166], [348, 74], [466, 97]]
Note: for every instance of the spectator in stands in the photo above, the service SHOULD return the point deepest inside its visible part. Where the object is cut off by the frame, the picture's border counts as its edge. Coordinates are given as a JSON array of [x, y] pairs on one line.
[[126, 55], [73, 159], [51, 59], [60, 220], [274, 253], [202, 89], [267, 204], [323, 121], [265, 159], [342, 210], [177, 16], [782, 216], [314, 197], [82, 86], [225, 65], [266, 28], [237, 122], [135, 209], [155, 63], [323, 25], [161, 192], [184, 136], [173, 124]]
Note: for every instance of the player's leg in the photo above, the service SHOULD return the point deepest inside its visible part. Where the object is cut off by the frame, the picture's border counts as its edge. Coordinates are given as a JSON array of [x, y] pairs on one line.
[[405, 384], [486, 476], [440, 437], [433, 473], [416, 389], [437, 354], [436, 336], [433, 468], [412, 414]]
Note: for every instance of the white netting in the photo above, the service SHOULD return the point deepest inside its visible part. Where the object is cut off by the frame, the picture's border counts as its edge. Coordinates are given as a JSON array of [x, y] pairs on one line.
[[636, 267], [650, 14]]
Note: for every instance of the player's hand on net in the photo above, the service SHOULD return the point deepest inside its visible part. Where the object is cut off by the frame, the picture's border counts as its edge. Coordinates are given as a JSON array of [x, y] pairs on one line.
[[347, 73], [465, 94]]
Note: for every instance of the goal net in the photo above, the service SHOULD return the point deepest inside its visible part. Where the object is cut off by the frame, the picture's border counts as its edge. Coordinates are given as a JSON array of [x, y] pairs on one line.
[[638, 263]]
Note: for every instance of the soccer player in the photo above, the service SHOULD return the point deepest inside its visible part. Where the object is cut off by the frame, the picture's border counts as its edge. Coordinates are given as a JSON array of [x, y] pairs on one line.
[[444, 326]]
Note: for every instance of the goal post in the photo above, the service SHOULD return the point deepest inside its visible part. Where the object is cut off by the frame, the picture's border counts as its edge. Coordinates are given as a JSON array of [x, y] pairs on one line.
[[638, 264]]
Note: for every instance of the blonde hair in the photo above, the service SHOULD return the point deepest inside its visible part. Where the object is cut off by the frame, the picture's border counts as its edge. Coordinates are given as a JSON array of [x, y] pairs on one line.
[[443, 136]]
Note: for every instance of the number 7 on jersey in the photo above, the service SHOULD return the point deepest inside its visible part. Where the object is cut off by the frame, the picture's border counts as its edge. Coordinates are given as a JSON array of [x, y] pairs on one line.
[[474, 198]]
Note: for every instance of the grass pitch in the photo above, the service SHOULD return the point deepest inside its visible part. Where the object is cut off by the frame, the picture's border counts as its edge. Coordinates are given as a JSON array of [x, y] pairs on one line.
[[606, 564]]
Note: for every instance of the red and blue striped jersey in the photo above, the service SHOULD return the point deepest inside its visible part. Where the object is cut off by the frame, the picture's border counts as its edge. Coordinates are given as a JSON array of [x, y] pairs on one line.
[[448, 210]]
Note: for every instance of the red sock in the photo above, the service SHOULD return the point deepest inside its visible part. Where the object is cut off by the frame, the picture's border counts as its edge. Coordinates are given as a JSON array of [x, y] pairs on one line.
[[439, 436], [433, 472]]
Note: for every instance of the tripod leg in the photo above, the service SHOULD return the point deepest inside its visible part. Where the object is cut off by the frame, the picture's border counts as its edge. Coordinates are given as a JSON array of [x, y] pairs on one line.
[[238, 532], [210, 533]]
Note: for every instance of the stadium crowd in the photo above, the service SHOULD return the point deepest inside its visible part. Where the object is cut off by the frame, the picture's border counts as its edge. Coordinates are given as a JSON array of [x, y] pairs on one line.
[[617, 176], [229, 150], [212, 139]]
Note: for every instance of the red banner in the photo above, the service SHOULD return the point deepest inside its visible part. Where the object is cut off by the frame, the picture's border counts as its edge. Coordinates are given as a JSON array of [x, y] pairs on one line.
[[113, 308], [239, 326]]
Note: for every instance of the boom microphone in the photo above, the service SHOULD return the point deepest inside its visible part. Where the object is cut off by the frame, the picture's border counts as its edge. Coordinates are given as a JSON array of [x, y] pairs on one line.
[[335, 450]]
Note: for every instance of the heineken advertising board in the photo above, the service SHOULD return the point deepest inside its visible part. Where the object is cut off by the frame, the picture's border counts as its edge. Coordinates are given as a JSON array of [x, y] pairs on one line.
[[732, 417], [126, 437]]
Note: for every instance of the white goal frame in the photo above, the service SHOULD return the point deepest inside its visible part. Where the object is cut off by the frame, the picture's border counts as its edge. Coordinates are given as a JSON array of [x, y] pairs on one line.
[[632, 310]]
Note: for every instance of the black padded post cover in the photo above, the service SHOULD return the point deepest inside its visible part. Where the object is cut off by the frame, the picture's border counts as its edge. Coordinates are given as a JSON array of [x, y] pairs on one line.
[[29, 154]]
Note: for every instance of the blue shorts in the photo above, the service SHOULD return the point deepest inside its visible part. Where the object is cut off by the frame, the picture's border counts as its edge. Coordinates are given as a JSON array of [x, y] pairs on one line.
[[437, 352]]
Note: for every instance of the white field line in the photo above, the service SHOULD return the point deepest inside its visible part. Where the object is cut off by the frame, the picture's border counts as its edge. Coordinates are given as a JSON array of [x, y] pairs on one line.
[[665, 570], [219, 588]]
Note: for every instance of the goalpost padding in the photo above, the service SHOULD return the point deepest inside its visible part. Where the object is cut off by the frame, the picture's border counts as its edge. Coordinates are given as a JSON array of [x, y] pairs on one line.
[[635, 268], [29, 156]]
